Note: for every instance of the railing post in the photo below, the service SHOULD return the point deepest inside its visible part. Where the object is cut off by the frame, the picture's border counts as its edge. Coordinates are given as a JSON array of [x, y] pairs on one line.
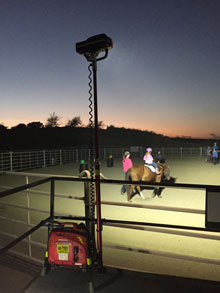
[[44, 158], [29, 159], [52, 192], [77, 155], [2, 162], [11, 161], [60, 157], [28, 218], [181, 152]]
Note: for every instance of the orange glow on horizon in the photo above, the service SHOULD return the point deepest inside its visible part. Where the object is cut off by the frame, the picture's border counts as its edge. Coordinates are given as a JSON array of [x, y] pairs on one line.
[[157, 130]]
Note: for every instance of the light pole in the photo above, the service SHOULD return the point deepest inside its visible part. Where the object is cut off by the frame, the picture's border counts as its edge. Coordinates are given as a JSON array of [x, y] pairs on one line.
[[91, 48]]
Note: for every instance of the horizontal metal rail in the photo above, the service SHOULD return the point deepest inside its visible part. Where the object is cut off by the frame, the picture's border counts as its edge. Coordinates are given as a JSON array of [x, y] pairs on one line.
[[165, 230], [114, 181], [193, 228], [30, 209], [125, 204], [61, 195], [154, 207], [39, 244], [164, 254], [23, 236], [23, 187]]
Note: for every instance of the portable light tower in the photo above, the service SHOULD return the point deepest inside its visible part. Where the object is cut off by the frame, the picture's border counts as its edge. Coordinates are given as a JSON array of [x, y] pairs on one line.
[[91, 48]]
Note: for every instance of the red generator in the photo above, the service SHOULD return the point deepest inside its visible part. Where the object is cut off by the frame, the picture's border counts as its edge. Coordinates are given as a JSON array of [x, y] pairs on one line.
[[68, 246]]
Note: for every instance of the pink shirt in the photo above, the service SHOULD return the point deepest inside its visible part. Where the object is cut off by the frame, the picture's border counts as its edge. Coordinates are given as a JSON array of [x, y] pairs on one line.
[[127, 164], [148, 159]]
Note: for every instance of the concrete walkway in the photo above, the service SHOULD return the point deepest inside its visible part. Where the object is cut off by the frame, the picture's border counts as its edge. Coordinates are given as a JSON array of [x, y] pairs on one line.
[[117, 281], [16, 273], [21, 276]]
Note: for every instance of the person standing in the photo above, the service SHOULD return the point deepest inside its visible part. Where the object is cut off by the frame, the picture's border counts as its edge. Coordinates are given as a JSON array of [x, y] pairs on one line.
[[215, 156], [127, 164], [215, 146], [158, 157], [209, 154]]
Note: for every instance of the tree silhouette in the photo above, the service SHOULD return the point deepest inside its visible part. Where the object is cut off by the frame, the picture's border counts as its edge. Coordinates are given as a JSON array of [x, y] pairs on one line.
[[35, 125], [20, 126], [3, 128], [53, 121], [76, 121], [101, 124]]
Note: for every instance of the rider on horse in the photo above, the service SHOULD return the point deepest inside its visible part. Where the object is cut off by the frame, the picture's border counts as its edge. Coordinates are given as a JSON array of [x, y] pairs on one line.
[[149, 160]]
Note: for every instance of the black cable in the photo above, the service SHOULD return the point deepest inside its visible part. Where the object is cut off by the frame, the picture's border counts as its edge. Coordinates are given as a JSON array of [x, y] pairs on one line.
[[91, 165], [91, 143]]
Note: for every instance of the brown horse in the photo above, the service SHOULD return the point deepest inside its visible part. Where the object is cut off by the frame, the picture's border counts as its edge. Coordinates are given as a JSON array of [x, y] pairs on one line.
[[143, 173]]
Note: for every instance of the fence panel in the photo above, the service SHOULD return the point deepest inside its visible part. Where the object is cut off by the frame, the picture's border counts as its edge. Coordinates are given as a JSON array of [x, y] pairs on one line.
[[16, 161]]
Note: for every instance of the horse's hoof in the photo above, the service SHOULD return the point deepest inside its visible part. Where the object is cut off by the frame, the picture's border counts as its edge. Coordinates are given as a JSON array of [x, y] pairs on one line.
[[159, 196]]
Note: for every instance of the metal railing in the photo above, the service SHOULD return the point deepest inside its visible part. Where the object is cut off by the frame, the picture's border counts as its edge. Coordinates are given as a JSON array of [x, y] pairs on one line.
[[188, 231], [17, 161]]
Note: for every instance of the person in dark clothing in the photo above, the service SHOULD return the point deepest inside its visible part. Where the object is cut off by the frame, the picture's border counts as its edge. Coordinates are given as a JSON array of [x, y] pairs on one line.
[[215, 156], [158, 157], [215, 146]]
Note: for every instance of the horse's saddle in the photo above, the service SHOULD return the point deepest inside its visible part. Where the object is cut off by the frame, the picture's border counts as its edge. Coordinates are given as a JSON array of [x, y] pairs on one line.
[[150, 167]]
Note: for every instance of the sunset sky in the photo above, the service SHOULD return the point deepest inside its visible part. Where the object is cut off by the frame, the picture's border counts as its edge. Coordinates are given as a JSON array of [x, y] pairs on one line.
[[162, 75]]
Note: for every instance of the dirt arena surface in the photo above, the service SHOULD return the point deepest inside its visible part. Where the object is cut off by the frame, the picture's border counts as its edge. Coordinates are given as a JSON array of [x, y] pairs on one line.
[[193, 170]]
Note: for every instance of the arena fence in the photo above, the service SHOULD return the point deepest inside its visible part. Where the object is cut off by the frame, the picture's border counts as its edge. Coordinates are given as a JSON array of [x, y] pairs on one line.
[[17, 161], [187, 231]]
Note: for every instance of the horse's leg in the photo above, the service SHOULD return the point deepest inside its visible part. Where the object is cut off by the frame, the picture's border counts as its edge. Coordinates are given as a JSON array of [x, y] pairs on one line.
[[154, 192], [140, 192], [130, 192], [157, 190]]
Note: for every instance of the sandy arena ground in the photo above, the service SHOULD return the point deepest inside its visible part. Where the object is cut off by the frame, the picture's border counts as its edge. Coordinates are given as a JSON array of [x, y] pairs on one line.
[[186, 170]]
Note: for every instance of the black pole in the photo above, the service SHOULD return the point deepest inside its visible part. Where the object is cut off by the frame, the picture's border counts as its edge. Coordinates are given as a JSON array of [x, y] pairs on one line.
[[90, 225], [91, 49], [52, 192], [97, 167]]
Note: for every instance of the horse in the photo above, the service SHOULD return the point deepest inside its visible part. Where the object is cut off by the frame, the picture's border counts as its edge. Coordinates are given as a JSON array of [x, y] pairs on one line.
[[145, 174]]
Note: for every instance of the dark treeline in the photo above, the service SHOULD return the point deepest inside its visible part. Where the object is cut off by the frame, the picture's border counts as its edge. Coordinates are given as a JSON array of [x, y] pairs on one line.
[[23, 138]]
